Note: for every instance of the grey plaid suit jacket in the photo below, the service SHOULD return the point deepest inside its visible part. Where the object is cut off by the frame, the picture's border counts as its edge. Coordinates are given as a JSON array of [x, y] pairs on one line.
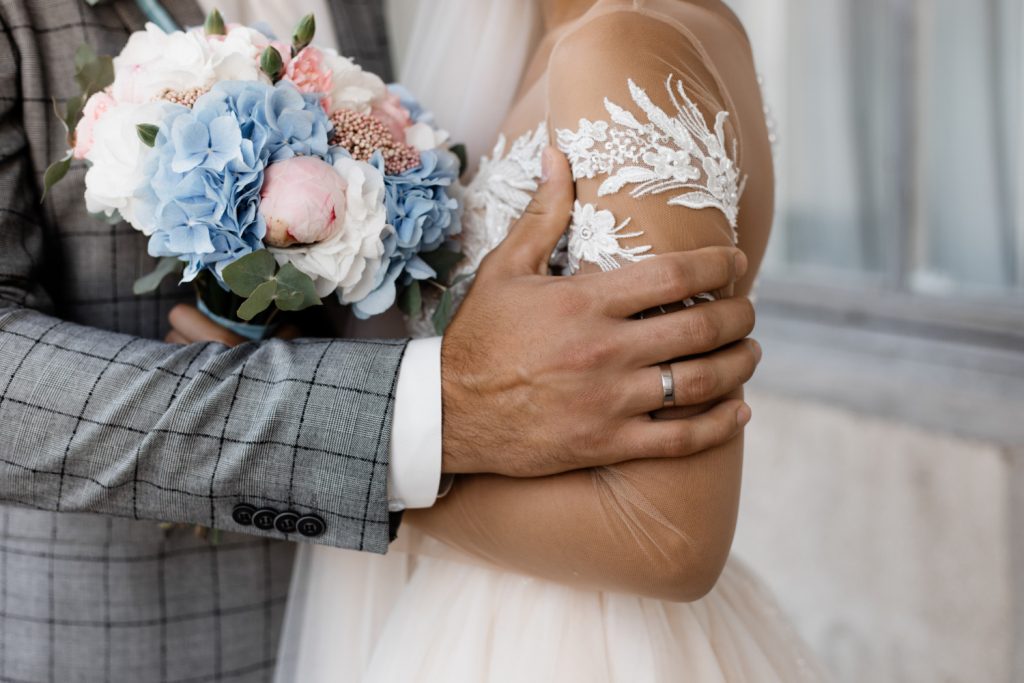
[[103, 429]]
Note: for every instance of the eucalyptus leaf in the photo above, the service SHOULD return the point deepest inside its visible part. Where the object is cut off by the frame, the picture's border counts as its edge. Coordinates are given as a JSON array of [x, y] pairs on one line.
[[168, 265], [443, 314], [92, 72], [147, 133], [442, 261], [295, 289], [410, 299], [249, 272], [258, 301], [54, 173], [459, 150], [72, 115]]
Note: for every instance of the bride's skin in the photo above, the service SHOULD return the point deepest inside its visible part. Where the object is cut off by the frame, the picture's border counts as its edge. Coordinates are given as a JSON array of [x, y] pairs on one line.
[[661, 528], [658, 528]]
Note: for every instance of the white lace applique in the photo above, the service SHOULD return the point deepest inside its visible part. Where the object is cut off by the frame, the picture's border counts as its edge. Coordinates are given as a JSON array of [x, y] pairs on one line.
[[499, 193], [668, 154], [594, 238]]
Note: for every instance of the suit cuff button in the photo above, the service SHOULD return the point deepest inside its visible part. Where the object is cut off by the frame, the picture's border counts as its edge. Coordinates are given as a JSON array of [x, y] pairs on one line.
[[311, 526], [242, 514], [264, 518], [286, 521]]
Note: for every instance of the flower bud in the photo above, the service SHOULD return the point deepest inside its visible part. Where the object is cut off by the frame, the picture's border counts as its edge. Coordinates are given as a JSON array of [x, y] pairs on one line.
[[304, 33], [302, 201]]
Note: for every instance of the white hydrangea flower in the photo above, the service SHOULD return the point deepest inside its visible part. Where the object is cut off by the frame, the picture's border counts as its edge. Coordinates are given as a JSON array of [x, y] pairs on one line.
[[117, 158], [348, 261]]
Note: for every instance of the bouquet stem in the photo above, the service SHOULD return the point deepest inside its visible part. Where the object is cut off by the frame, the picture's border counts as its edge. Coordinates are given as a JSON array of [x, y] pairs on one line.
[[221, 306]]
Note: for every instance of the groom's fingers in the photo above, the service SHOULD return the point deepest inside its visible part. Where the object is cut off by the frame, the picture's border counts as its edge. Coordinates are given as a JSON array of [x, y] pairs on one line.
[[703, 328], [667, 279], [678, 437], [529, 244], [194, 326]]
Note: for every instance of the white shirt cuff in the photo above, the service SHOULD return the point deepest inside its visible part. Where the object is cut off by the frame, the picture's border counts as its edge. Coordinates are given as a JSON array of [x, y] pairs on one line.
[[414, 474]]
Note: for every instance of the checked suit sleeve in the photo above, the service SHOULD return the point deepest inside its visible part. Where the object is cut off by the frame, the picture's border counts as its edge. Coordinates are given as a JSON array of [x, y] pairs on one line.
[[100, 422]]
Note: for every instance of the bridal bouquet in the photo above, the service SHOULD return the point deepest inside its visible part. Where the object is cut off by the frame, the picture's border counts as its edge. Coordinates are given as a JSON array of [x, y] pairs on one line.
[[267, 174]]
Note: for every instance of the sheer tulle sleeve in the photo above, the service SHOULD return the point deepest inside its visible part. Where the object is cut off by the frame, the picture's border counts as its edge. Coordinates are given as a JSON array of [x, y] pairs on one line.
[[655, 136]]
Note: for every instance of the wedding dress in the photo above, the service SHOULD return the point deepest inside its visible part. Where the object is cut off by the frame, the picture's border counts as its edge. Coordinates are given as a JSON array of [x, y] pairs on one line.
[[669, 130]]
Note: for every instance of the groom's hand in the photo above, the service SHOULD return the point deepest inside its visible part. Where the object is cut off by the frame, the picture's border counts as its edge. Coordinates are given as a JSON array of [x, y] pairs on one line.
[[545, 374]]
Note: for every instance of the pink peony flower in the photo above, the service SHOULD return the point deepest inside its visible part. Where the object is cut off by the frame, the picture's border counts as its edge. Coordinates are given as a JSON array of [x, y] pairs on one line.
[[389, 111], [302, 201], [309, 74], [95, 107]]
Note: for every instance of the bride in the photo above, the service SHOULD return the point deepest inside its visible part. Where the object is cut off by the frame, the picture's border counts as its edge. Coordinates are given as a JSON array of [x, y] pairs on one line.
[[618, 574]]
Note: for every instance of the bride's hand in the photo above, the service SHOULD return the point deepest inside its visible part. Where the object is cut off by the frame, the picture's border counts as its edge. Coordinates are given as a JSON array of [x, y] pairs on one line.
[[188, 326]]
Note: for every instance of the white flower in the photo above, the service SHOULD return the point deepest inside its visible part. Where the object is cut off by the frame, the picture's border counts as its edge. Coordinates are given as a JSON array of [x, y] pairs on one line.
[[154, 61], [117, 158], [594, 238], [236, 56], [348, 261], [423, 136], [351, 87]]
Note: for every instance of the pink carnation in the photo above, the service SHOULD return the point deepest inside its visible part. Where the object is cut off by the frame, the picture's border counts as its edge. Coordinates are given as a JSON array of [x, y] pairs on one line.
[[389, 111], [302, 201], [95, 107], [307, 71]]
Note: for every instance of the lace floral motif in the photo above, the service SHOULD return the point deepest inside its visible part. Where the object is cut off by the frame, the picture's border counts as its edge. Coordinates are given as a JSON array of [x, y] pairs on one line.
[[594, 237], [667, 154]]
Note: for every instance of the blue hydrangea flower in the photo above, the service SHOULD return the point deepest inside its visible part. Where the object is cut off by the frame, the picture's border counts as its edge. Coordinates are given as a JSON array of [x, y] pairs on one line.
[[203, 184], [423, 217], [416, 111]]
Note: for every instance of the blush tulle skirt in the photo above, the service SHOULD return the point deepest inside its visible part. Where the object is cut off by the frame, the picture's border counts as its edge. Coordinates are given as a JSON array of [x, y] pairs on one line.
[[436, 615]]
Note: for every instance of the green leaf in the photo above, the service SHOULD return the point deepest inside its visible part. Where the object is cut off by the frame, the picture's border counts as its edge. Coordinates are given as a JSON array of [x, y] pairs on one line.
[[304, 32], [443, 314], [249, 272], [258, 301], [410, 299], [84, 56], [295, 289], [92, 73], [442, 261], [271, 63], [54, 173], [166, 266], [459, 150], [147, 133], [214, 24]]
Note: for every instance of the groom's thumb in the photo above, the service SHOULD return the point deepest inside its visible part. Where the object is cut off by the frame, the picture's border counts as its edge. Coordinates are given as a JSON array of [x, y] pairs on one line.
[[534, 236]]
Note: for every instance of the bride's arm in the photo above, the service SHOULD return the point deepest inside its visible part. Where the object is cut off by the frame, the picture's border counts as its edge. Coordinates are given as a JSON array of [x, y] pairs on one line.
[[660, 528]]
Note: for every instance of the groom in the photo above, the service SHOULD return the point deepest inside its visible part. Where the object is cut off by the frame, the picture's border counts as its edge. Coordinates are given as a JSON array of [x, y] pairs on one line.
[[104, 431]]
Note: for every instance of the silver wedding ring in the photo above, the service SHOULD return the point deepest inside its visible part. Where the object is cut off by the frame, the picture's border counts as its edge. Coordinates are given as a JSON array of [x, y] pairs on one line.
[[668, 386]]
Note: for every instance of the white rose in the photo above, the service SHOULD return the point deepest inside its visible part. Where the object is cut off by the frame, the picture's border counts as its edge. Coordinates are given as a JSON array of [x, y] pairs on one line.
[[351, 87], [348, 261], [117, 158], [154, 61], [236, 56]]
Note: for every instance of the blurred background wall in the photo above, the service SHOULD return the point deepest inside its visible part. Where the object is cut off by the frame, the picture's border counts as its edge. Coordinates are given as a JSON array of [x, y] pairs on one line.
[[884, 482]]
